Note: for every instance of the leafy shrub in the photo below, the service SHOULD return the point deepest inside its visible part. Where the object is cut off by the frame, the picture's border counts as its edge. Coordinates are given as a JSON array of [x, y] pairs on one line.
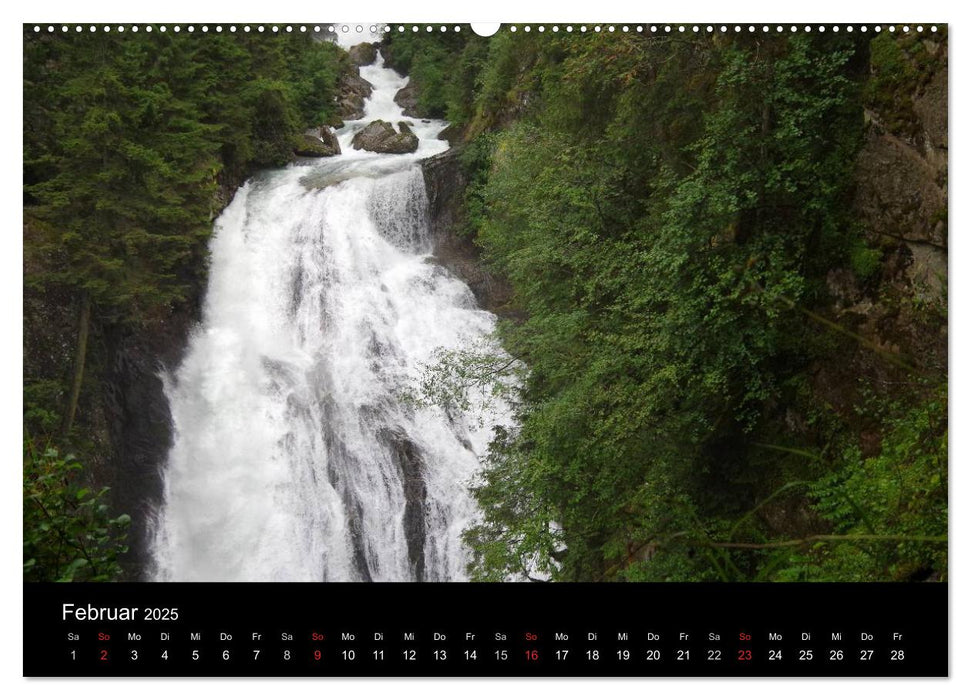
[[895, 503], [69, 534]]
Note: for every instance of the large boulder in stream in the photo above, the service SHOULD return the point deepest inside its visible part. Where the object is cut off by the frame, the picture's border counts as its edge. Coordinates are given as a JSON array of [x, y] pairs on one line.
[[407, 99], [352, 90], [316, 143], [379, 136], [363, 54], [329, 139]]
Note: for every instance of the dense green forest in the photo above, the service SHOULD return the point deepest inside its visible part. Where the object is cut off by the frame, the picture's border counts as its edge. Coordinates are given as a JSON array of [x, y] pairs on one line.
[[670, 212], [132, 144], [732, 373]]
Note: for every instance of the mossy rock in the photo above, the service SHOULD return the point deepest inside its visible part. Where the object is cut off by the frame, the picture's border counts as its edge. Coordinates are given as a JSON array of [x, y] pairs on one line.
[[363, 54], [380, 137], [310, 145]]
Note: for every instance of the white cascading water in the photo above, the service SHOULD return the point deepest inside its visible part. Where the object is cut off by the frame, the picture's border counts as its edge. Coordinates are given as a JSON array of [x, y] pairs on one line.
[[294, 458]]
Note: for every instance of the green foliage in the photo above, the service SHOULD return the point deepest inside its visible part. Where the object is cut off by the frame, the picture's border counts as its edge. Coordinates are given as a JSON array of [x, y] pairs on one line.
[[430, 62], [39, 397], [128, 140], [428, 70], [476, 161], [508, 60], [474, 82], [274, 122], [128, 137], [666, 213], [314, 80], [900, 67], [467, 381], [900, 492], [69, 534], [864, 260], [894, 80], [462, 85], [666, 210]]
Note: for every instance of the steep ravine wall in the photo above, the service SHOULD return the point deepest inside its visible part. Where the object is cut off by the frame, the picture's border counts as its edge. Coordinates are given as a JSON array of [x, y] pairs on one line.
[[455, 248], [901, 202], [897, 306]]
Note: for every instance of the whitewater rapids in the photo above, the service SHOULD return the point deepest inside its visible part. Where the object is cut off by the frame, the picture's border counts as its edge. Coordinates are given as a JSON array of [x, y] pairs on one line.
[[294, 457]]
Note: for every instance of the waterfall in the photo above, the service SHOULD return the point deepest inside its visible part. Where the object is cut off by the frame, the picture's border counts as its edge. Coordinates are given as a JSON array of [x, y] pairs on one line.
[[294, 456]]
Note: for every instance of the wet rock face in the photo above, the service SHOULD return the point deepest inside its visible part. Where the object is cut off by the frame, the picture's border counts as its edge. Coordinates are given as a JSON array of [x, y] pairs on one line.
[[407, 99], [451, 133], [363, 54], [318, 143], [901, 177], [140, 424], [329, 138], [900, 199], [901, 192], [407, 457], [380, 136], [351, 93], [445, 184]]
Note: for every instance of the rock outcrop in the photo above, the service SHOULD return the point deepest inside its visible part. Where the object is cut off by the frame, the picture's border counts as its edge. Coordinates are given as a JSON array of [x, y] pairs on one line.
[[901, 176], [380, 136], [454, 249], [352, 90], [363, 54], [451, 133], [318, 143], [330, 139], [139, 423], [895, 300], [407, 99], [902, 179], [411, 468]]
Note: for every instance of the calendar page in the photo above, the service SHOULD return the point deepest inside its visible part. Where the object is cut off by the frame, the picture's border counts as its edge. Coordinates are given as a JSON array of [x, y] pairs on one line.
[[550, 349]]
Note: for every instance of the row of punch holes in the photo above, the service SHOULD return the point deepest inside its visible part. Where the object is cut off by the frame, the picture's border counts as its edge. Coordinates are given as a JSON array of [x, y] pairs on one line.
[[401, 28]]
